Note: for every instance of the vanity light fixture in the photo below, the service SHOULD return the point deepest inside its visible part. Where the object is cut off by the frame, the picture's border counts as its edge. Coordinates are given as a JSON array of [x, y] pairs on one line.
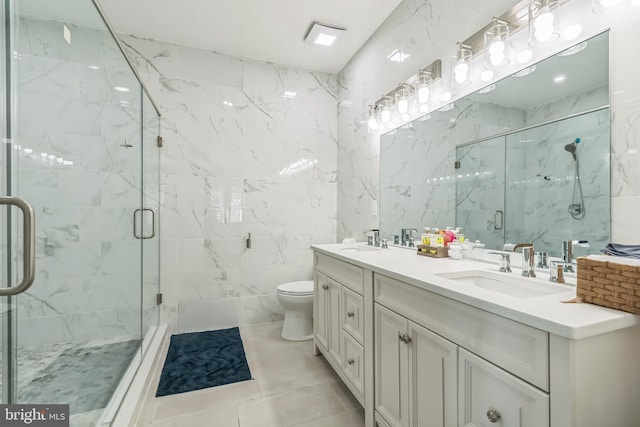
[[372, 121], [422, 88], [403, 98], [460, 68], [496, 45], [384, 105], [542, 22], [323, 35]]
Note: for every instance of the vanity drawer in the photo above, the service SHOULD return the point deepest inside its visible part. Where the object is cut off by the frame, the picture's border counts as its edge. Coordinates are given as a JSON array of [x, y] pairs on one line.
[[347, 274], [353, 363], [352, 313], [515, 347]]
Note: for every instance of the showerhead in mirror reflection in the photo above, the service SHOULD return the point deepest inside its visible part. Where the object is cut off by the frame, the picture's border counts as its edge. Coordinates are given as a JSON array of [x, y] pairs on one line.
[[511, 146]]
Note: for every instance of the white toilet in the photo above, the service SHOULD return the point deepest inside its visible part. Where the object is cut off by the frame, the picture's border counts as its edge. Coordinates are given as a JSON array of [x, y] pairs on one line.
[[297, 300]]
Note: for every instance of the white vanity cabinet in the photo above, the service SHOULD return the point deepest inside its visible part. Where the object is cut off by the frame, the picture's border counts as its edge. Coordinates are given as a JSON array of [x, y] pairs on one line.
[[415, 373], [425, 377], [339, 319]]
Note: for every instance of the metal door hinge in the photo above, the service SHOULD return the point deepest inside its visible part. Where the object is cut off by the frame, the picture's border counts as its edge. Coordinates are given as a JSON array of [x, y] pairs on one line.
[[158, 299], [160, 141], [456, 165]]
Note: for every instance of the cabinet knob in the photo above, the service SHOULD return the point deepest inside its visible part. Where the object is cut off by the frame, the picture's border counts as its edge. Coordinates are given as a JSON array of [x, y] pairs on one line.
[[325, 287], [351, 361], [404, 338], [350, 314], [493, 415]]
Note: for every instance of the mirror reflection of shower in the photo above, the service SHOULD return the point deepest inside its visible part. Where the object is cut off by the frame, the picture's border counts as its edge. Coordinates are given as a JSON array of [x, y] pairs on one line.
[[576, 207]]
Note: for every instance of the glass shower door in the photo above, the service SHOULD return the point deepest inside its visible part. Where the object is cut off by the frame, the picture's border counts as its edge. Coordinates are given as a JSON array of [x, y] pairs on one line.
[[74, 151]]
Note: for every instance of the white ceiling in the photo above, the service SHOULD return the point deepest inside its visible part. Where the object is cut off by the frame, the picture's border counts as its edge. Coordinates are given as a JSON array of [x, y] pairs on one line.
[[266, 30]]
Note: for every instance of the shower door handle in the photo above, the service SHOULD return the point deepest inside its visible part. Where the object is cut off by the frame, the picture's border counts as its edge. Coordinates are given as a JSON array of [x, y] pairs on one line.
[[153, 224], [28, 245], [498, 217]]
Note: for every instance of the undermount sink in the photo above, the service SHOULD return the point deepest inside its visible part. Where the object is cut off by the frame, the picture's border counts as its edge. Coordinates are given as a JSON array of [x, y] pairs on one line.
[[505, 283], [361, 248]]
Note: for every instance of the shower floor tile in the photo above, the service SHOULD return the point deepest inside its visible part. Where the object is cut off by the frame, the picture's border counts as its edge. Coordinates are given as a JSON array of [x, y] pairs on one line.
[[81, 374]]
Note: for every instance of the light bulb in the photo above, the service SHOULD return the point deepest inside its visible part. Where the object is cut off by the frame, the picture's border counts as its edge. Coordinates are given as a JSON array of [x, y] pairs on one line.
[[423, 94], [543, 25], [372, 124], [403, 105], [497, 47], [460, 71], [385, 115]]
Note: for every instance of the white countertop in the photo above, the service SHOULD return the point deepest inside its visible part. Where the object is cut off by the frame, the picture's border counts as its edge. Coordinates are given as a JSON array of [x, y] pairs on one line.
[[574, 321]]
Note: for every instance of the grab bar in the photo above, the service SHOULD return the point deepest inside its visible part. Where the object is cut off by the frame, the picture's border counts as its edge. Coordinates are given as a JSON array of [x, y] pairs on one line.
[[28, 246]]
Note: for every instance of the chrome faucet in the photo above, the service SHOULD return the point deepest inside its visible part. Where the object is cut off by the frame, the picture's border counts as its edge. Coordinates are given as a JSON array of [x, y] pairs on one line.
[[567, 252], [505, 261], [373, 237], [407, 236], [528, 265]]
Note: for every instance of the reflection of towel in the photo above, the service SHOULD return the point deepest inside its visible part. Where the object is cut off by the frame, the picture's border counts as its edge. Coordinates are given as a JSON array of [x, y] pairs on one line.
[[632, 251]]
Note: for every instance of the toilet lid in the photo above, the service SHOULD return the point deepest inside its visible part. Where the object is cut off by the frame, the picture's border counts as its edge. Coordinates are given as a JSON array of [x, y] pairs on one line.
[[297, 288]]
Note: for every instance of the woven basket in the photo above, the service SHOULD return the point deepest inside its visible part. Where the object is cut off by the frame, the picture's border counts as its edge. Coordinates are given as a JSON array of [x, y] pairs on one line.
[[609, 284]]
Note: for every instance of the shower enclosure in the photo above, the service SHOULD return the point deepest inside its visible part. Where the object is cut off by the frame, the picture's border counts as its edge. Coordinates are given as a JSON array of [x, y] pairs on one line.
[[79, 191]]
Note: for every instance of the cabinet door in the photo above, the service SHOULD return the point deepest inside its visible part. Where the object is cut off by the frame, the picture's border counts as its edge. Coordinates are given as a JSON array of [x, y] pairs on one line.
[[353, 314], [489, 396], [353, 363], [391, 367], [334, 322], [433, 379], [320, 305]]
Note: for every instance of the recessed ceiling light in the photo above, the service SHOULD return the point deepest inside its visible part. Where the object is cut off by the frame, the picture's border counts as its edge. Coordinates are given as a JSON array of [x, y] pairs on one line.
[[398, 55], [323, 35], [289, 94], [121, 89], [525, 72], [559, 78], [573, 49]]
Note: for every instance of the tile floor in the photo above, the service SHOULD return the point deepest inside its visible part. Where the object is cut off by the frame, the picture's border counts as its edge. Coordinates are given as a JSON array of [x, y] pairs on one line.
[[291, 387]]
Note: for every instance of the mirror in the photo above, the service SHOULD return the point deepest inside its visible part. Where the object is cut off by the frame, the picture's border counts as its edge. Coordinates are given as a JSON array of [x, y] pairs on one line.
[[502, 163]]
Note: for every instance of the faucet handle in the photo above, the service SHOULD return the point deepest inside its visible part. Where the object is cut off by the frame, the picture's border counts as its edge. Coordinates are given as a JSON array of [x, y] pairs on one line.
[[505, 261]]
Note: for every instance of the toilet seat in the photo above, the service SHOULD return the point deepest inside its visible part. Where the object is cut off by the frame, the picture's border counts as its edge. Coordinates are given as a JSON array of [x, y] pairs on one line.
[[302, 288]]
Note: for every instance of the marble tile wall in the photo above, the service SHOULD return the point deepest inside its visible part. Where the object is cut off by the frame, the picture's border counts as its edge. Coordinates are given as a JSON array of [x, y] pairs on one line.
[[72, 163], [239, 158], [428, 30]]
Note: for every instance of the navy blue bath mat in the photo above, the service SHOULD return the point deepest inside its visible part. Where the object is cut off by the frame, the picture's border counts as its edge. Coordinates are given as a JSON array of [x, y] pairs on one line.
[[203, 359]]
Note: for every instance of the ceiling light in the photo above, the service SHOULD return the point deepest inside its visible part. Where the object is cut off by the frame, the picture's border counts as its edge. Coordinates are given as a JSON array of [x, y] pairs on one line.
[[460, 68], [572, 32], [559, 78], [573, 49], [323, 35], [398, 55], [486, 75], [289, 94], [525, 72], [525, 56], [496, 45], [121, 89]]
